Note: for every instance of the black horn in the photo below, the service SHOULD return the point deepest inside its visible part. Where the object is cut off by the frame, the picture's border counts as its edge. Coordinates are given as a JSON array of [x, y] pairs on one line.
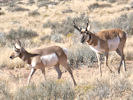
[[87, 25], [75, 26]]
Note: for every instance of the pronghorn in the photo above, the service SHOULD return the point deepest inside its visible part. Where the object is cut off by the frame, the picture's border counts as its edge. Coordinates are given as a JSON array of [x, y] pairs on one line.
[[104, 41], [43, 57]]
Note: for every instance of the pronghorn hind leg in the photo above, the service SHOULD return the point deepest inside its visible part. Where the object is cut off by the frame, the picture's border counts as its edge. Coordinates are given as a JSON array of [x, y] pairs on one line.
[[57, 68], [120, 52], [64, 64], [99, 63], [30, 75], [43, 71], [106, 61]]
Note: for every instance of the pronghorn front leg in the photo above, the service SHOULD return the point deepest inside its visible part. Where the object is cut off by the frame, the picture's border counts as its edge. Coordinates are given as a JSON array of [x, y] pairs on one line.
[[106, 61], [30, 75], [99, 63]]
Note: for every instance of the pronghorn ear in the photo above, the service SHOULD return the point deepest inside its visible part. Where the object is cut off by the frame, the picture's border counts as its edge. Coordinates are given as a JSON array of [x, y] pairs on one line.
[[18, 44], [88, 27], [14, 48]]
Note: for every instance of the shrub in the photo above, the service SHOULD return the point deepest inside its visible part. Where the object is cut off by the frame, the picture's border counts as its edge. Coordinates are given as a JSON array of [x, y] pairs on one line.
[[31, 2], [96, 5], [8, 2], [123, 22], [67, 11], [57, 38], [17, 8], [34, 13], [21, 33], [2, 39], [46, 3], [101, 90], [81, 55], [66, 26]]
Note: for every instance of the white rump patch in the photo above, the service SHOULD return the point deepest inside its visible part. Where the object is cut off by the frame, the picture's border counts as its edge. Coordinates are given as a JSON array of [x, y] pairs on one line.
[[65, 51], [113, 43], [49, 60]]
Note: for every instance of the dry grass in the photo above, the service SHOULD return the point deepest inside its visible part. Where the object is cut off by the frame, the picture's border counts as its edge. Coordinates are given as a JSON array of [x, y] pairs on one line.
[[33, 15], [90, 85]]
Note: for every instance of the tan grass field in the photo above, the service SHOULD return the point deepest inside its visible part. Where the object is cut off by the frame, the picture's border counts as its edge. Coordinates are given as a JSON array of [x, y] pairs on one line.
[[14, 73]]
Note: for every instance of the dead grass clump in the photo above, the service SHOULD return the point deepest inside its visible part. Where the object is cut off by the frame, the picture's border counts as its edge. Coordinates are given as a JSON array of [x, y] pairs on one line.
[[105, 89], [49, 90], [129, 48], [101, 90], [120, 87], [4, 90]]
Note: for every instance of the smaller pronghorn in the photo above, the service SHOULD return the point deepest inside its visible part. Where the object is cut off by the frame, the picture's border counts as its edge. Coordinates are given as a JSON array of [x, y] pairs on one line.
[[104, 41], [43, 57]]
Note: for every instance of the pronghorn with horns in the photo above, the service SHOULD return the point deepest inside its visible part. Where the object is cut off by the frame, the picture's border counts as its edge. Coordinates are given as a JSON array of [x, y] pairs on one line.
[[43, 57], [104, 41]]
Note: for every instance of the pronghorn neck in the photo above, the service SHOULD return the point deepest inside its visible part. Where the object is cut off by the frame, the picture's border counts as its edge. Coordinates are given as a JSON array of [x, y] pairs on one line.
[[26, 56], [93, 39]]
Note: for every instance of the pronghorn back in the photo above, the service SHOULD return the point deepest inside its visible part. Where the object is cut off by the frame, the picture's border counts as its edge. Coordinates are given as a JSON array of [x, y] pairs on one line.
[[49, 50], [111, 33]]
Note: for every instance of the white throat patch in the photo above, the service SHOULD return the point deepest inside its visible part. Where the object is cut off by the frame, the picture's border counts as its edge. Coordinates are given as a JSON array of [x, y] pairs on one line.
[[97, 48]]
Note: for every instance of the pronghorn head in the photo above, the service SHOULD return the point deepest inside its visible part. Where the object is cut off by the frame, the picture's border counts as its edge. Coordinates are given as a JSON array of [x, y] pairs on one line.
[[84, 32], [18, 50]]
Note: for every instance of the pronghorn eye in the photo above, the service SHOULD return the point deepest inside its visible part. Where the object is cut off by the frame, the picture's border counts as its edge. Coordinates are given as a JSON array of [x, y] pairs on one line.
[[17, 50], [87, 33]]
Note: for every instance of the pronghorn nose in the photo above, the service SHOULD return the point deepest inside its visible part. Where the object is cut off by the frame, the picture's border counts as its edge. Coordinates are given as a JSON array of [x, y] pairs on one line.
[[11, 57], [82, 40]]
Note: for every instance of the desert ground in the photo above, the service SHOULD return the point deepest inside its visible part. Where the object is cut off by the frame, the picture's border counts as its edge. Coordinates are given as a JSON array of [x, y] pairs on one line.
[[43, 23]]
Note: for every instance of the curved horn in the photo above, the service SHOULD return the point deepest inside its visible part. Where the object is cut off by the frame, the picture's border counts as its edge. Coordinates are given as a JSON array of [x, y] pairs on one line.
[[88, 26], [75, 26]]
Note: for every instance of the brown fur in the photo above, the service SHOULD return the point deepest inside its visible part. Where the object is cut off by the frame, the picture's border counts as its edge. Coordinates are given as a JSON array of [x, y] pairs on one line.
[[35, 57], [103, 37]]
